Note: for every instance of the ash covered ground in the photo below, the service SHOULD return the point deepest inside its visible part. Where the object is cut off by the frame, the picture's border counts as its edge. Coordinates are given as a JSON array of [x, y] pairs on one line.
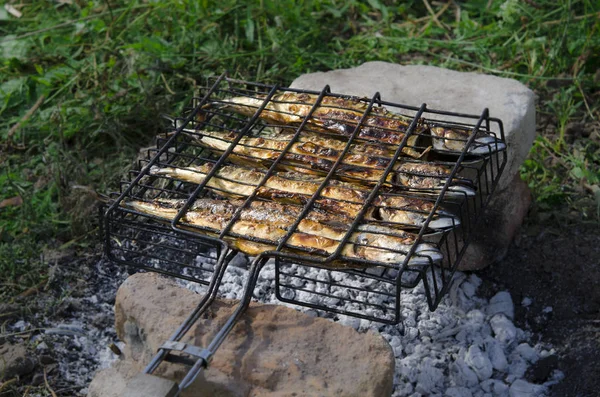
[[468, 347]]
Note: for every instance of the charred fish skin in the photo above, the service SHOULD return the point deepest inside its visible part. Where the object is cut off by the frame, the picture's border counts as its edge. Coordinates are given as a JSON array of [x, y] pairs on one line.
[[269, 222], [338, 198], [424, 175], [454, 140]]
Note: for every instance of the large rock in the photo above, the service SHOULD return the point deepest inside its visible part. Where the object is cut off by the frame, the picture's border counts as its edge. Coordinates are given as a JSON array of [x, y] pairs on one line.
[[449, 90], [272, 351]]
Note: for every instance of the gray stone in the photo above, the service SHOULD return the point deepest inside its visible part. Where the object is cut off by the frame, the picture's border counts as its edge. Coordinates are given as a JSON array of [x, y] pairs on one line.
[[111, 382], [479, 362], [271, 351], [504, 330], [521, 388], [495, 386], [462, 375], [14, 361], [145, 385], [527, 352], [501, 303], [458, 392], [496, 354], [445, 89]]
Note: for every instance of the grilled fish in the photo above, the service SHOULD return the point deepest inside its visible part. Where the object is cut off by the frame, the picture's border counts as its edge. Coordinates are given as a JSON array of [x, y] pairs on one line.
[[341, 115], [356, 167], [316, 233], [334, 114], [455, 139], [293, 187]]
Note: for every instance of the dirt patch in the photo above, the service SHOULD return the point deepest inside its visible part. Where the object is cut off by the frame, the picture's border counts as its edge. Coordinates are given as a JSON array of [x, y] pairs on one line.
[[553, 274]]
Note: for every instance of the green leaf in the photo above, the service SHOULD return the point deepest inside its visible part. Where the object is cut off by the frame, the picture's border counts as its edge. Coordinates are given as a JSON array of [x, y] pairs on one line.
[[4, 15], [12, 48], [250, 29], [577, 173]]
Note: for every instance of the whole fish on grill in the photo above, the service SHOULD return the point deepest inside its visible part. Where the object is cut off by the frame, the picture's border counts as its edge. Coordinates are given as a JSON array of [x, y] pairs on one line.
[[338, 115], [342, 114], [454, 140], [293, 187], [317, 233], [357, 167]]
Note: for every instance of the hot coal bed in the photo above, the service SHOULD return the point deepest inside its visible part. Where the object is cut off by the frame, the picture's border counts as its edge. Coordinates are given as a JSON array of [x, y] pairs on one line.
[[455, 350]]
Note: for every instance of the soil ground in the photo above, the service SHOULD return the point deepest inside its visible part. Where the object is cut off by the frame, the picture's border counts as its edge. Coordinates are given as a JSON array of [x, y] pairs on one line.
[[558, 268]]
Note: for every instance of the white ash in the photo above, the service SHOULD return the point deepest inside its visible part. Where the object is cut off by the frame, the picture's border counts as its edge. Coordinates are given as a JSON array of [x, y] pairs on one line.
[[468, 347], [75, 332]]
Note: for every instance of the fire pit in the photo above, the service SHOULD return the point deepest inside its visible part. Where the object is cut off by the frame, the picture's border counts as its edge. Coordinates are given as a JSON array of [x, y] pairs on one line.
[[461, 171]]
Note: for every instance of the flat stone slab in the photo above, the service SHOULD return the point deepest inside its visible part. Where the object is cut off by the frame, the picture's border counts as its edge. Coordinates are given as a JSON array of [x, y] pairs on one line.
[[272, 351], [443, 89]]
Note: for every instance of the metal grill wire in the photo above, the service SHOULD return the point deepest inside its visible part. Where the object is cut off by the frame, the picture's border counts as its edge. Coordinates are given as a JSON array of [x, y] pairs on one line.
[[145, 241]]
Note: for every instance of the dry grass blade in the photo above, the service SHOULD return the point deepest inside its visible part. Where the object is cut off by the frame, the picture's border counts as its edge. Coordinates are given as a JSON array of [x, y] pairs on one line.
[[4, 385], [26, 117], [435, 17], [47, 384]]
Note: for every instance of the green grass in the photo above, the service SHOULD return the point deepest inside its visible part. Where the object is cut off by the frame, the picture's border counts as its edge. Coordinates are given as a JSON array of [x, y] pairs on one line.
[[103, 70]]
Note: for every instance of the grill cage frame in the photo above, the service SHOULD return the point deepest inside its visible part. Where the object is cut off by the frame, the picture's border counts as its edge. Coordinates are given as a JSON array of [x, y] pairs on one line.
[[371, 292], [173, 149]]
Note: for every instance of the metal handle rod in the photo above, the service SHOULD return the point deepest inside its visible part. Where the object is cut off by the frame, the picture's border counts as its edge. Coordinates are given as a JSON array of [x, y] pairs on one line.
[[206, 301], [253, 272]]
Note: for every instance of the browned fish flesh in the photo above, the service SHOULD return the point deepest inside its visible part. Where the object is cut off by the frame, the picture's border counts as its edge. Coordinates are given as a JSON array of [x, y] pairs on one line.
[[339, 115], [269, 222], [293, 187], [308, 157]]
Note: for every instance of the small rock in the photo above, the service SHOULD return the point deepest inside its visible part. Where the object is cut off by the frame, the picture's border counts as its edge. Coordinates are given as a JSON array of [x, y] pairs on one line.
[[501, 303], [496, 354], [15, 362], [37, 379], [102, 320], [462, 375], [504, 330], [542, 369], [495, 386], [458, 392], [526, 302], [522, 388], [41, 347], [46, 359], [240, 260], [479, 362], [527, 352]]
